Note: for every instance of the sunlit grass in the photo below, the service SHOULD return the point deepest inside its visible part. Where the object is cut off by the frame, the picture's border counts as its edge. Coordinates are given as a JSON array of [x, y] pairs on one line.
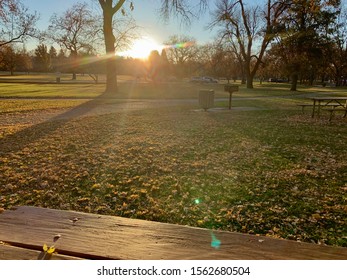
[[49, 90], [271, 171], [18, 105]]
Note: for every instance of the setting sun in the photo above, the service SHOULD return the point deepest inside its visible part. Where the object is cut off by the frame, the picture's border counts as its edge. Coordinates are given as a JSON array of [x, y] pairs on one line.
[[142, 48]]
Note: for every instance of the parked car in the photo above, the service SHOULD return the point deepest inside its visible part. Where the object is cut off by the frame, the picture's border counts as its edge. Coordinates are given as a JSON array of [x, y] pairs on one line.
[[195, 80], [203, 80], [275, 80], [209, 80]]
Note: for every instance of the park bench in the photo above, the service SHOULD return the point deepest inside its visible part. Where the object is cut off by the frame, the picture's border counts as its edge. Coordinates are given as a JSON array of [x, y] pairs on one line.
[[75, 235]]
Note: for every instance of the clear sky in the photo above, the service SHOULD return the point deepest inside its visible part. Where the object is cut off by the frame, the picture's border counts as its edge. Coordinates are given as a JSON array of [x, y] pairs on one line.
[[145, 13]]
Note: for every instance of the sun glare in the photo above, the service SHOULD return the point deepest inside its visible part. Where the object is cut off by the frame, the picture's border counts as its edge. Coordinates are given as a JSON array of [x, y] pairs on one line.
[[142, 48]]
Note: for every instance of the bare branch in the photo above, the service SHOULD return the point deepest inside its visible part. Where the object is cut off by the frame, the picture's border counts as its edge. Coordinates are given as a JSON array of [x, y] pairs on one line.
[[248, 29], [16, 22], [183, 9]]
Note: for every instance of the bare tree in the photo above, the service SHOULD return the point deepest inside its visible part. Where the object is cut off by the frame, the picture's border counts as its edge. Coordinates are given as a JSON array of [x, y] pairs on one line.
[[16, 22], [110, 8], [125, 30], [180, 50], [224, 62], [73, 31], [249, 29]]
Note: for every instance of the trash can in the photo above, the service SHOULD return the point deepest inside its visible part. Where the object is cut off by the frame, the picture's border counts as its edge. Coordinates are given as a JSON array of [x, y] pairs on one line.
[[58, 75], [206, 99]]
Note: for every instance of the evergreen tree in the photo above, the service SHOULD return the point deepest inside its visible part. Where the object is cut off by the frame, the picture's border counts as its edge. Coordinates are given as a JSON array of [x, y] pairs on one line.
[[42, 58]]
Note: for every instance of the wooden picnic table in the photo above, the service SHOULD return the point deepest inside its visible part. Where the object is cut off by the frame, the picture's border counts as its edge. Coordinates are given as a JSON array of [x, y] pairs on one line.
[[25, 230], [335, 101]]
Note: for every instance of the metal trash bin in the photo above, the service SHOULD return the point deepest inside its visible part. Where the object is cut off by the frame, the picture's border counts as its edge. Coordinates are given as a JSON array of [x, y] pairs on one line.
[[58, 75], [206, 99]]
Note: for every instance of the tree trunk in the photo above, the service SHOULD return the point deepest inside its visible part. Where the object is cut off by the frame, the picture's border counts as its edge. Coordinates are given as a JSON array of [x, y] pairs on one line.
[[323, 78], [249, 75], [74, 63], [249, 82], [295, 78], [111, 69], [311, 81], [243, 76], [338, 74]]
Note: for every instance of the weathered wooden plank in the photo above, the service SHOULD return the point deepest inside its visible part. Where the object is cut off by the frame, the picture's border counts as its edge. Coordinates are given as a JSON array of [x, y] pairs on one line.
[[15, 253], [111, 237]]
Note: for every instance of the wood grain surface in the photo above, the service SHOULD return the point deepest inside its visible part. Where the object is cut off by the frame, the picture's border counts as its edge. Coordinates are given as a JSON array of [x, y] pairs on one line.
[[93, 236]]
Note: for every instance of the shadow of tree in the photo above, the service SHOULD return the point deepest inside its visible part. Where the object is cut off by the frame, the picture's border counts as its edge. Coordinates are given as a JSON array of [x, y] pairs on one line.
[[19, 140]]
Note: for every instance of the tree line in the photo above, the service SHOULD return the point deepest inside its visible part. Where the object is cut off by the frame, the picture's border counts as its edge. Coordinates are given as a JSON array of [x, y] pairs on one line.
[[295, 40], [174, 62]]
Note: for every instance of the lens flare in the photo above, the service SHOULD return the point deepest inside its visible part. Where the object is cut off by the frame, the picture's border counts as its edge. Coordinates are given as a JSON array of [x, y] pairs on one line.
[[182, 45], [215, 243]]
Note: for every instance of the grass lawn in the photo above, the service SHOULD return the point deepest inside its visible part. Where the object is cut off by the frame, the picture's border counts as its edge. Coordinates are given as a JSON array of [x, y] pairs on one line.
[[268, 169]]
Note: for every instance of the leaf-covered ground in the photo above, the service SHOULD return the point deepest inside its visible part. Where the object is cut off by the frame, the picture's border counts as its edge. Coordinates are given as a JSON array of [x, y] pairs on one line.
[[272, 171]]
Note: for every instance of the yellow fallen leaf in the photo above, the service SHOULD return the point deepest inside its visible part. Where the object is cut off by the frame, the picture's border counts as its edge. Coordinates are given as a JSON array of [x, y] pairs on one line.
[[316, 216], [48, 250], [51, 250]]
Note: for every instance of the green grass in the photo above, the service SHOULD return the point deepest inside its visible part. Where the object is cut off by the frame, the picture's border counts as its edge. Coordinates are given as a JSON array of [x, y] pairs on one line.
[[21, 90], [128, 90], [20, 106], [272, 171]]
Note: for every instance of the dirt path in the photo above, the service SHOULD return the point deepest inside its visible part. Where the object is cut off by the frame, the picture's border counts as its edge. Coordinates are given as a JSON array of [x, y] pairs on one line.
[[96, 107]]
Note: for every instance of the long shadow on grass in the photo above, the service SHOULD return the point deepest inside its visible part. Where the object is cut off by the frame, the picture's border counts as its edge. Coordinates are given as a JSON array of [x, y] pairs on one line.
[[19, 140]]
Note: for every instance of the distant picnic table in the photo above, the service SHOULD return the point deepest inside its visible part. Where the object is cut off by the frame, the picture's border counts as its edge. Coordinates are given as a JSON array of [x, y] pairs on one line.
[[75, 235]]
